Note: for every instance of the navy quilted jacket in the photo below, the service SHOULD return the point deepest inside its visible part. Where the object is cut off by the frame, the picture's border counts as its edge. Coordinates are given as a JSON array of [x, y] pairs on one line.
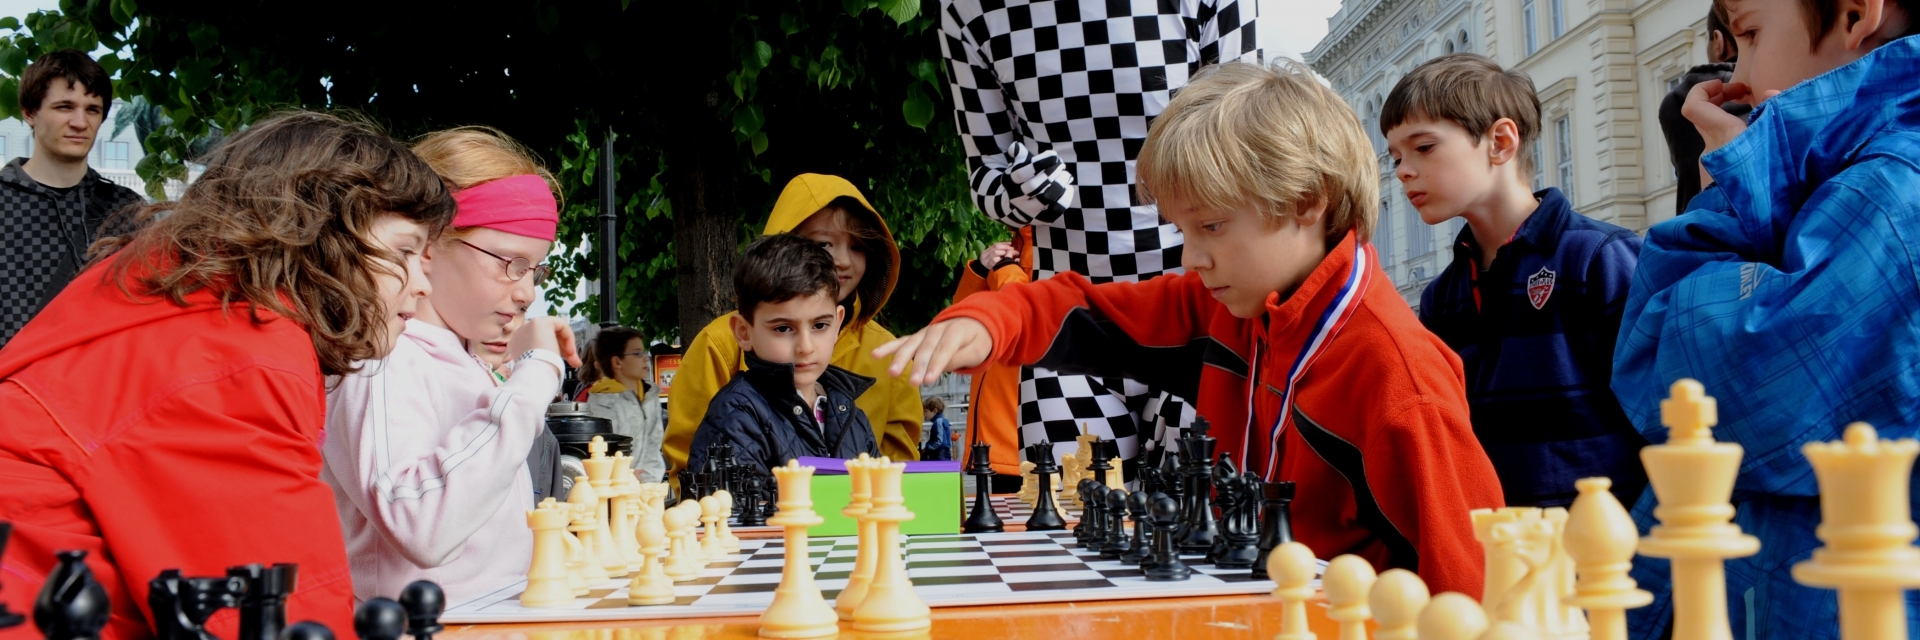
[[763, 417], [1535, 334]]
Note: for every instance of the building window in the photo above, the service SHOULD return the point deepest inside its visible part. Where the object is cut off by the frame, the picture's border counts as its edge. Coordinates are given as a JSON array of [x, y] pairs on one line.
[[1674, 83], [1528, 19], [1563, 134], [1465, 46], [1419, 235], [1557, 12], [1539, 167], [114, 155]]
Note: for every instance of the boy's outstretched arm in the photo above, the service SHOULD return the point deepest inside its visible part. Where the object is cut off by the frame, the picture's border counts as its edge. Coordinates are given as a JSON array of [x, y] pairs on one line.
[[1150, 331], [1795, 338]]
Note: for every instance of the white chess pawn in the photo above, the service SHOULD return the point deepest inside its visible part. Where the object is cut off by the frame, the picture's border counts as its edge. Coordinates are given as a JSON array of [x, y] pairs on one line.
[[695, 552], [1291, 565], [1395, 600], [1693, 478], [710, 515], [1452, 616], [1868, 529], [1510, 631], [729, 543], [1600, 538], [1346, 581], [681, 566]]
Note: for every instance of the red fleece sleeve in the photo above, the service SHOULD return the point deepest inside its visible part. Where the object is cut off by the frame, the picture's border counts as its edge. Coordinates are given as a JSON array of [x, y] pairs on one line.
[[1024, 319], [1435, 474]]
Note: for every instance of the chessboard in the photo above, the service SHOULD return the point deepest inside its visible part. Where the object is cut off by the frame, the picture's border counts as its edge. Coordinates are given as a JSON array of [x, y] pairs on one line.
[[947, 571], [1012, 511]]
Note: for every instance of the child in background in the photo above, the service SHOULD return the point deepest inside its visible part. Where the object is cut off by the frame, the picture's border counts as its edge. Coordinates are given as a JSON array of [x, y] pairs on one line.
[[791, 401], [627, 396], [993, 394], [832, 212], [1789, 289], [939, 444], [1282, 313], [1532, 300]]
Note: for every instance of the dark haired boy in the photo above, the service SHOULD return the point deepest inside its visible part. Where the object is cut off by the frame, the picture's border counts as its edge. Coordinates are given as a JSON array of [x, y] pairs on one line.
[[1532, 300], [52, 205], [791, 401], [1789, 288]]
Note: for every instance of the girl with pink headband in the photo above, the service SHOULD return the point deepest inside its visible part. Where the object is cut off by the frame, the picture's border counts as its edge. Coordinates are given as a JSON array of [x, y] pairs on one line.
[[427, 450]]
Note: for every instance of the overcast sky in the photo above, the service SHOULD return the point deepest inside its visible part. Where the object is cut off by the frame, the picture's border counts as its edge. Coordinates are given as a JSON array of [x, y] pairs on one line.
[[1291, 27]]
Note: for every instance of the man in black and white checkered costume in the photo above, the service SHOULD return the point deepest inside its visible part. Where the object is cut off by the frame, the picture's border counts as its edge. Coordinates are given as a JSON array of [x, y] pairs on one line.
[[1053, 100]]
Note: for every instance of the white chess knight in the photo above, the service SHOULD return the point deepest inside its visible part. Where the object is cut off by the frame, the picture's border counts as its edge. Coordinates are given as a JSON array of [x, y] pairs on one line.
[[1528, 571]]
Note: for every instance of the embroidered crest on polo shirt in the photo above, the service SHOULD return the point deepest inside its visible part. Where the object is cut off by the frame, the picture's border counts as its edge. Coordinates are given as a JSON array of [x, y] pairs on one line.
[[1539, 286]]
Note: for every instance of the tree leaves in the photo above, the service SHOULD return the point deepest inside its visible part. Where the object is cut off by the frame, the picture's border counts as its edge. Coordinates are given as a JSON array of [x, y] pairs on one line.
[[918, 108]]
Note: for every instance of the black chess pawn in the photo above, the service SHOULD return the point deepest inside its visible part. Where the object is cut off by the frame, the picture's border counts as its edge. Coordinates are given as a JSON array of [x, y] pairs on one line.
[[1139, 503], [1085, 492], [1045, 517], [1093, 513], [380, 619], [1276, 525], [982, 519], [72, 605], [1116, 515], [306, 630], [423, 601], [1166, 558], [8, 619]]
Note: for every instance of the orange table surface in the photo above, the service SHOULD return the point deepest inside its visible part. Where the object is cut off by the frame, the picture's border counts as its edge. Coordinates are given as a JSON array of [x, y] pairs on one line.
[[1238, 617]]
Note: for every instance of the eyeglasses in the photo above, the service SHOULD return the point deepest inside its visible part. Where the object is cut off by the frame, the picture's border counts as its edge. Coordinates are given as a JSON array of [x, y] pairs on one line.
[[634, 354], [516, 268]]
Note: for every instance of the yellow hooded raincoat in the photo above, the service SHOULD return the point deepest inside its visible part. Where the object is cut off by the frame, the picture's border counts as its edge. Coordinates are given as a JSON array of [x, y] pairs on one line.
[[892, 405]]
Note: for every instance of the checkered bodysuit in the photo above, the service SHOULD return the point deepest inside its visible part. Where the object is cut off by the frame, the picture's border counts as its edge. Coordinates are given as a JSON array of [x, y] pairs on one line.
[[1081, 79]]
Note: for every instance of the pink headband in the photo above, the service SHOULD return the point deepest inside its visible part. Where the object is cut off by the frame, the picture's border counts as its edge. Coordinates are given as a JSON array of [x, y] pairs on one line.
[[521, 205]]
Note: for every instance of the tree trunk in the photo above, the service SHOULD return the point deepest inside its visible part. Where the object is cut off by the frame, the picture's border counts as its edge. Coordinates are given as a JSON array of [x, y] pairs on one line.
[[700, 182]]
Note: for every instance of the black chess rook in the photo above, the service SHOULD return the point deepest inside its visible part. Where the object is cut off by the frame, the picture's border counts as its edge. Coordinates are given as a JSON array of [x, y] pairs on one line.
[[1276, 525], [263, 608]]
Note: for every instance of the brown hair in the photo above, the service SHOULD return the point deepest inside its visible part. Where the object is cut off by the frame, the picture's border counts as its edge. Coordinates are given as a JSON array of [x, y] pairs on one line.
[[472, 155], [589, 371], [279, 221], [934, 404], [70, 65], [1823, 15], [611, 343], [1469, 90], [1273, 137], [870, 240], [781, 267]]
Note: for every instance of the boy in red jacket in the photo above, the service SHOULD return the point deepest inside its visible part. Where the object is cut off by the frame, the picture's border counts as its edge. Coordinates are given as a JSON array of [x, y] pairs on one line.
[[1310, 366]]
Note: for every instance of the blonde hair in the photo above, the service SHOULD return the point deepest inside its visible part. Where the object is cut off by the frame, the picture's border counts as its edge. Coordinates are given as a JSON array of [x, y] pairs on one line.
[[472, 155], [1273, 137]]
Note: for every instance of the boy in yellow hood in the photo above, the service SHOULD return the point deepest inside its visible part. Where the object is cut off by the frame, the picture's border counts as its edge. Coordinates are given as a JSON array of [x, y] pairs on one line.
[[832, 211]]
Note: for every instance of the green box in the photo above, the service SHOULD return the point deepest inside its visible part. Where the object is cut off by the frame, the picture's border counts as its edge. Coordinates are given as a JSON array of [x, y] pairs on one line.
[[934, 498]]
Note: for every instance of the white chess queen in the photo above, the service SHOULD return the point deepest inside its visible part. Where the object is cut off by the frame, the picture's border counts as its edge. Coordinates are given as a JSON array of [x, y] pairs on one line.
[[426, 449]]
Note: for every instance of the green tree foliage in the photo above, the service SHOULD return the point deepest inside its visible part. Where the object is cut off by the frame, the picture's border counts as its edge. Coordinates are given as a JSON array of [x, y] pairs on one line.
[[717, 103]]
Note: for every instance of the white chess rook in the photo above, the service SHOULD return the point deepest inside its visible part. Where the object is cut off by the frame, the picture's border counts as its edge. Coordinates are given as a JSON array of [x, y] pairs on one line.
[[867, 552], [1868, 527], [890, 606], [1692, 475], [547, 572]]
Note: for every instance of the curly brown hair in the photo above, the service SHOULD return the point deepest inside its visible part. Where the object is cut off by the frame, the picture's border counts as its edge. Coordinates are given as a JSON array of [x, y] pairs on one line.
[[280, 221]]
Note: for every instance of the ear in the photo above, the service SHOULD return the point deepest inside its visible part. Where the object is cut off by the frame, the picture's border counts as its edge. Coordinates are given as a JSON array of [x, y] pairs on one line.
[[839, 316], [1860, 22], [742, 331], [1503, 141], [1313, 215]]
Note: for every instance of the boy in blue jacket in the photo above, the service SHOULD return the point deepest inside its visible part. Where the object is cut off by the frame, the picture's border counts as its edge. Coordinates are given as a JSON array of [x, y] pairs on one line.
[[1789, 289], [791, 401], [1533, 298]]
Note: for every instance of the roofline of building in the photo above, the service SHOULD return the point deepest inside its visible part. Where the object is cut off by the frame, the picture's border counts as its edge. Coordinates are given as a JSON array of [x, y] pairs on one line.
[[1338, 34]]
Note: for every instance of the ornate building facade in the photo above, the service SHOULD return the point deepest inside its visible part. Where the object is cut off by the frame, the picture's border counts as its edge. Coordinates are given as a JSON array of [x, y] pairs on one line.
[[1600, 68]]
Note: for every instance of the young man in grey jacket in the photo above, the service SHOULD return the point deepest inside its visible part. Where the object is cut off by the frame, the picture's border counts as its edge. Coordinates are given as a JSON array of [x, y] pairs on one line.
[[625, 394], [52, 206]]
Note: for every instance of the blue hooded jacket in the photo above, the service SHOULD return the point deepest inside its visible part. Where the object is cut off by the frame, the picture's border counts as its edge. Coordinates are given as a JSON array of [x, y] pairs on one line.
[[1791, 290]]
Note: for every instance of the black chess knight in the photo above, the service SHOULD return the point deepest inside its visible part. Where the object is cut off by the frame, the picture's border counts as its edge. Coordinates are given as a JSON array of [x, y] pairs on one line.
[[72, 605], [181, 605]]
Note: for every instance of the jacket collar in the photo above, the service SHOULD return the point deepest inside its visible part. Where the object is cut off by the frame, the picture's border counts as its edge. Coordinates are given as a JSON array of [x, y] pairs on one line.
[[774, 380], [1322, 300], [1804, 136], [1542, 228], [15, 173]]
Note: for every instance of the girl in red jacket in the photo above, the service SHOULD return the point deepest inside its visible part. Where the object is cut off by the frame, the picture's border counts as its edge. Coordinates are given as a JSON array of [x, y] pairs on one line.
[[294, 255]]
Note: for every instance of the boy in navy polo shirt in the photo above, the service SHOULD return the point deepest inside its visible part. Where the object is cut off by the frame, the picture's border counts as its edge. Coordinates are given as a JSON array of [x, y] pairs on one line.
[[1533, 299]]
